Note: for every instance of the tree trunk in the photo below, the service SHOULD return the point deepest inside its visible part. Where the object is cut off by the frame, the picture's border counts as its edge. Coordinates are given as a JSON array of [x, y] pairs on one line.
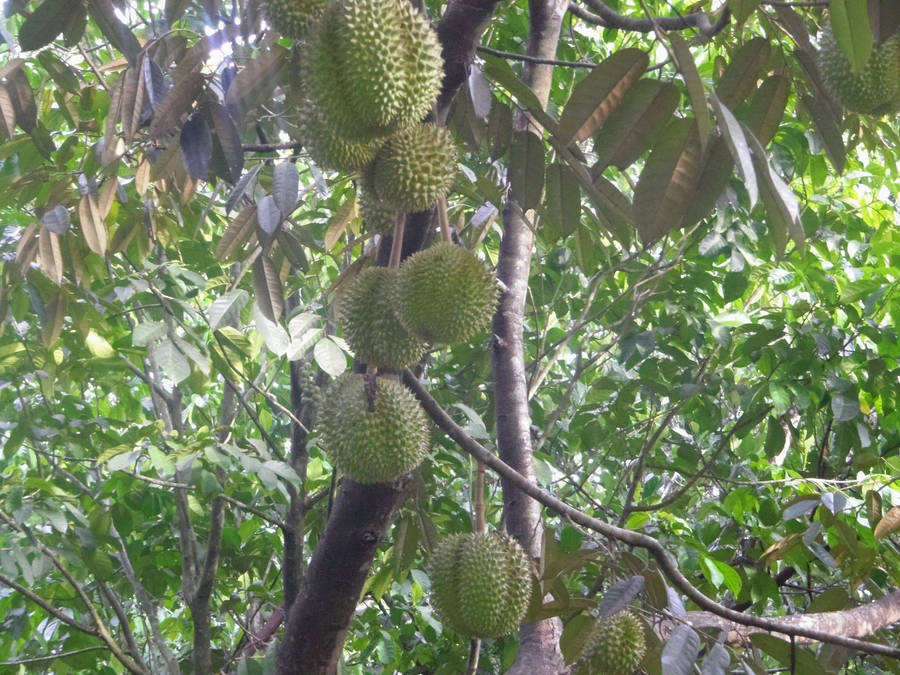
[[321, 612], [538, 642], [320, 617]]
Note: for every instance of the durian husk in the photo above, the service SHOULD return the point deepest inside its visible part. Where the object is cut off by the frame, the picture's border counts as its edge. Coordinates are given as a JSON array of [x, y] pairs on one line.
[[377, 440], [371, 326], [372, 67], [480, 583], [616, 646], [873, 91], [293, 18], [445, 294], [415, 167]]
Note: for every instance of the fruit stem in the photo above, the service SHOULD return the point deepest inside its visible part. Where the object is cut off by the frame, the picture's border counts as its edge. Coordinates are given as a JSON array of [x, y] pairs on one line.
[[480, 524], [444, 220], [397, 243], [474, 653]]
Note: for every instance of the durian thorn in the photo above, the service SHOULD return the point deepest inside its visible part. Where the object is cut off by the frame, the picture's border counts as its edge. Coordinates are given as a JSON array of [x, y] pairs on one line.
[[444, 220], [480, 524], [397, 243]]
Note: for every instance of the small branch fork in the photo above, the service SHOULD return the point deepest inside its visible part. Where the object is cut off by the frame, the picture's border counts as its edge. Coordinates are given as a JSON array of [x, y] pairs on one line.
[[664, 559]]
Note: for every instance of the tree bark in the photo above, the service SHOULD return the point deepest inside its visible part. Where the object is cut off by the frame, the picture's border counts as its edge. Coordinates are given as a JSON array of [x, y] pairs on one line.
[[857, 622], [320, 617], [320, 614], [539, 651]]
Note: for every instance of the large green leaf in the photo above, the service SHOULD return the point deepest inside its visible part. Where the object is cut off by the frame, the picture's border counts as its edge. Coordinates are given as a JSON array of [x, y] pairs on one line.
[[850, 24], [596, 96], [635, 124], [668, 181]]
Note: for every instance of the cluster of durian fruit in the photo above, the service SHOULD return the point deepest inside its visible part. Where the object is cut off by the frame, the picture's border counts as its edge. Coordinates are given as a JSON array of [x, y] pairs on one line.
[[875, 90], [370, 72]]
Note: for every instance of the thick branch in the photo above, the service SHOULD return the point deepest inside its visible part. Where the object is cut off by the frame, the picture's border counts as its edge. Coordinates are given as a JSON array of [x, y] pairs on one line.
[[664, 559], [856, 622], [460, 31], [320, 617], [607, 17]]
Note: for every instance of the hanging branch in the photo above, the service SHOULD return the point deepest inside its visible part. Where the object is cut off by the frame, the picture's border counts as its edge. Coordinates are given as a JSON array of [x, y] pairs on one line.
[[884, 611], [605, 16]]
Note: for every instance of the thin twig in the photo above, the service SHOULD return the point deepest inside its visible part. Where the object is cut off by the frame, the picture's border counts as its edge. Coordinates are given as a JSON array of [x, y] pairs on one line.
[[534, 59]]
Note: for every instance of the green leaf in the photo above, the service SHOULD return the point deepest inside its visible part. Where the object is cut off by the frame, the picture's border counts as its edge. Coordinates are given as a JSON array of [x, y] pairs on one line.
[[563, 203], [174, 364], [850, 24], [737, 144], [668, 181], [98, 346], [696, 92], [766, 107], [284, 187], [526, 169], [273, 334], [147, 333], [267, 288], [742, 9], [716, 662], [781, 204], [889, 524], [743, 71], [330, 357], [575, 635], [226, 308], [680, 652], [600, 93], [787, 654], [635, 124], [45, 23], [828, 130], [845, 408]]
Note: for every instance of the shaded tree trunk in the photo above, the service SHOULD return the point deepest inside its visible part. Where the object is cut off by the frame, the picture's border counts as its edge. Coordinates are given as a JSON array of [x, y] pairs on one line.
[[320, 617], [538, 642], [321, 613]]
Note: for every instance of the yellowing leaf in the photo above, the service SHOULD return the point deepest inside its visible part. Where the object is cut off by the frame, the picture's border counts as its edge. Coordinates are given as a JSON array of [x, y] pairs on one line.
[[98, 346]]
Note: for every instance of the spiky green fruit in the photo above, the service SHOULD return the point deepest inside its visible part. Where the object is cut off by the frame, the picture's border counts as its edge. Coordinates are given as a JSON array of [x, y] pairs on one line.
[[415, 167], [377, 215], [445, 294], [480, 583], [372, 429], [615, 646], [875, 90], [293, 18], [370, 324], [372, 66], [328, 147]]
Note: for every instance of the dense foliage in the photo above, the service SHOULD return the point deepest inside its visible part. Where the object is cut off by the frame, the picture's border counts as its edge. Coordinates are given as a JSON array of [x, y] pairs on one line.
[[711, 335]]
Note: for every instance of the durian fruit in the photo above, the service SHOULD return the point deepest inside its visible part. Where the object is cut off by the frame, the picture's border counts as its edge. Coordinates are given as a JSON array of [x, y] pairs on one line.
[[372, 66], [445, 294], [328, 147], [370, 324], [480, 583], [875, 90], [415, 167], [372, 429], [377, 215], [293, 18], [615, 646]]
